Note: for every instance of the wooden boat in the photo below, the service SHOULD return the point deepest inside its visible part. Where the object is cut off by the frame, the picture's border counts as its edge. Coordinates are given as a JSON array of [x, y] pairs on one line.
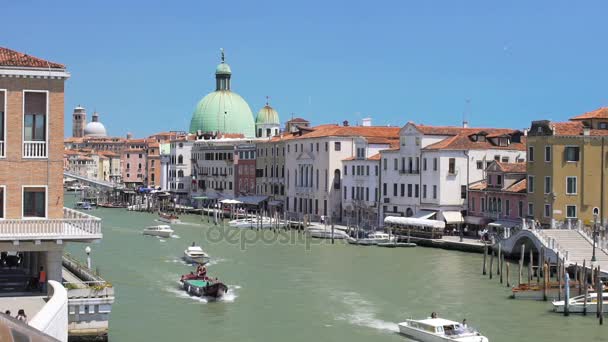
[[207, 287], [112, 205], [534, 291], [168, 218]]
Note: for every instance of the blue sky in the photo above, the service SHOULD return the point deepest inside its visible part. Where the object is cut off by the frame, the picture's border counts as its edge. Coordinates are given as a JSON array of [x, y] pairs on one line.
[[144, 64]]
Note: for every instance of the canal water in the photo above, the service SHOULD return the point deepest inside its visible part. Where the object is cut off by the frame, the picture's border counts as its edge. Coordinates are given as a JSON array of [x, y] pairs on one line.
[[288, 288]]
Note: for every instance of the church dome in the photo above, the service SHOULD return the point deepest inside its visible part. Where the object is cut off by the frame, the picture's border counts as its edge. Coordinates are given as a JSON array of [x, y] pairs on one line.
[[95, 128], [223, 111], [267, 116]]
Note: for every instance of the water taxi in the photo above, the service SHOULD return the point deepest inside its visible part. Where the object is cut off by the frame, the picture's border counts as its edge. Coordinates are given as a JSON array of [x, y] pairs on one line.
[[438, 330], [373, 239], [207, 287], [168, 218], [577, 304], [195, 254], [327, 234], [160, 230]]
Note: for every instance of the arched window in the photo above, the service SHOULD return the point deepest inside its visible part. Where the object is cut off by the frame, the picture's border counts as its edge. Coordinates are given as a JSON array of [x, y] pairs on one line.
[[337, 179], [180, 159], [409, 212], [180, 173]]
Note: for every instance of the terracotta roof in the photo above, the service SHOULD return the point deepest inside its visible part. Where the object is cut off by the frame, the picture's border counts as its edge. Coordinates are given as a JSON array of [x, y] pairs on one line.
[[72, 139], [438, 130], [520, 186], [481, 185], [600, 113], [462, 141], [512, 167], [13, 58], [297, 120], [333, 130], [574, 128], [374, 157]]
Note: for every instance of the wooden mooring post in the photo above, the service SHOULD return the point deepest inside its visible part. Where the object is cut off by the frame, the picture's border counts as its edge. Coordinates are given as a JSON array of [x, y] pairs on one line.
[[501, 261], [491, 262], [530, 267], [559, 278], [521, 262], [498, 265], [600, 296], [545, 280], [566, 294], [585, 290], [485, 256], [507, 270]]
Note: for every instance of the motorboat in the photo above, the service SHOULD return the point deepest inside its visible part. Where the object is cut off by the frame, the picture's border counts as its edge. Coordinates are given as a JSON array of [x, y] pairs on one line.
[[327, 234], [195, 254], [253, 222], [439, 329], [168, 218], [577, 304], [396, 244], [204, 286], [160, 230], [83, 206], [373, 239]]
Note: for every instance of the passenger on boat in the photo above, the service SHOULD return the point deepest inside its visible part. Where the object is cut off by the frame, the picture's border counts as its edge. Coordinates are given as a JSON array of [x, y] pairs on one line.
[[433, 314], [202, 272]]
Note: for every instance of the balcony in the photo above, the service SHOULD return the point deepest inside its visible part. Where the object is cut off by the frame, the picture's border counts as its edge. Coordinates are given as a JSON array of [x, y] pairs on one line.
[[74, 225], [34, 149]]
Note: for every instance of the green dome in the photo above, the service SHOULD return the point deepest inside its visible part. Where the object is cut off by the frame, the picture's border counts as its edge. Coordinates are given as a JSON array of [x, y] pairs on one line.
[[209, 114], [223, 68], [267, 115]]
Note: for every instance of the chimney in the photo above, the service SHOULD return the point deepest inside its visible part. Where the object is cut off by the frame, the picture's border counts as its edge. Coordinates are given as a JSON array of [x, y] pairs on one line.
[[586, 131], [465, 124], [366, 122], [129, 136], [345, 123]]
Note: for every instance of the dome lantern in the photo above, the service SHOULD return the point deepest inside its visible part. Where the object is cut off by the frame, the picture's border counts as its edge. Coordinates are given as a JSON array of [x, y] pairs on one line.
[[222, 74]]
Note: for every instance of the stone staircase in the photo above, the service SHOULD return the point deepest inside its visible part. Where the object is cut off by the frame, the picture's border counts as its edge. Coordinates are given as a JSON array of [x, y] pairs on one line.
[[576, 246], [13, 280]]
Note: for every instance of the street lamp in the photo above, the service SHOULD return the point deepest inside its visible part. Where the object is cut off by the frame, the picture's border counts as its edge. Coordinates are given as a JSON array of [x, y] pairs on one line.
[[87, 250]]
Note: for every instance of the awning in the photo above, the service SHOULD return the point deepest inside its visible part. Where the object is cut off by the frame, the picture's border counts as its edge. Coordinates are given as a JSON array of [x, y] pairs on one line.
[[424, 214], [230, 201], [275, 203], [412, 221], [452, 217], [476, 220], [252, 200], [503, 224]]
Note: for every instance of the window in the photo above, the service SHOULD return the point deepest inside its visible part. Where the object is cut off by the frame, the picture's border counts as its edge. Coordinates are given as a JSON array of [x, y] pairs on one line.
[[409, 190], [530, 209], [483, 204], [367, 170], [345, 190], [603, 125], [434, 164], [424, 164], [34, 120], [180, 159], [385, 163], [296, 146], [472, 204], [547, 211], [520, 209], [384, 191], [2, 201], [479, 165], [571, 185], [531, 153], [547, 155], [416, 190], [367, 194], [423, 190], [395, 189], [434, 191], [337, 146], [34, 202], [530, 184], [572, 153], [548, 185], [345, 170], [395, 164], [463, 191], [570, 211], [452, 166], [497, 158], [499, 180], [402, 190]]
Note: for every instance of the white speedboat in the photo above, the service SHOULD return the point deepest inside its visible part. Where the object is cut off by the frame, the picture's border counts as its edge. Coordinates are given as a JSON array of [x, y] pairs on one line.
[[168, 218], [196, 255], [373, 239], [439, 330], [327, 234], [577, 304], [253, 222], [160, 230]]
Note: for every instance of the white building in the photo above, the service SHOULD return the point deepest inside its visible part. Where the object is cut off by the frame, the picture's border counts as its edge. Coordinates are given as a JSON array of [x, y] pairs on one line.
[[179, 169], [428, 175], [314, 165]]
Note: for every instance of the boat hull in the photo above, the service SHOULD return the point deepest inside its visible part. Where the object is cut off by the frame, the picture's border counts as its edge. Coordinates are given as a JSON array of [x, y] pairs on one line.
[[201, 288], [163, 234], [424, 336], [196, 259], [169, 220]]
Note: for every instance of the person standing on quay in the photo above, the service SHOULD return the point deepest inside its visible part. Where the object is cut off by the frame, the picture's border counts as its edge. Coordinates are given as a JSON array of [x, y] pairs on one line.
[[42, 280]]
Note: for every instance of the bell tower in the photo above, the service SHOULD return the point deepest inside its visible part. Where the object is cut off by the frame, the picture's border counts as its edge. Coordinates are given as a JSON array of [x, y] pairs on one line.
[[79, 120]]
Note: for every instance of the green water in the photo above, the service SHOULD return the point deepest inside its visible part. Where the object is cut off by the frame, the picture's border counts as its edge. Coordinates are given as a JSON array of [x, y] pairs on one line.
[[295, 291]]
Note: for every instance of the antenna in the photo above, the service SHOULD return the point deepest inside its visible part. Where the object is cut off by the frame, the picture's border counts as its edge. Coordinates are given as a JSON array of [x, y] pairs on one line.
[[466, 113]]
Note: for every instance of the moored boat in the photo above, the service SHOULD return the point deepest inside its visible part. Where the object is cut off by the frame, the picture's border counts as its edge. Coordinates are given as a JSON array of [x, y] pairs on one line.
[[327, 234], [160, 230], [534, 291], [578, 304], [373, 239], [168, 218], [83, 205], [195, 254], [207, 287], [438, 330]]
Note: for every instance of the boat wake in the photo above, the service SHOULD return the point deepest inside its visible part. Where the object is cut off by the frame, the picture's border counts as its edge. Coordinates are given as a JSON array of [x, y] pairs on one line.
[[362, 313], [175, 236]]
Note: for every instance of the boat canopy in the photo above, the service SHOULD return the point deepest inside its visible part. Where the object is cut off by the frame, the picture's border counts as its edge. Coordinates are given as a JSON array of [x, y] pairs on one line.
[[252, 200], [452, 217], [413, 221], [230, 201]]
